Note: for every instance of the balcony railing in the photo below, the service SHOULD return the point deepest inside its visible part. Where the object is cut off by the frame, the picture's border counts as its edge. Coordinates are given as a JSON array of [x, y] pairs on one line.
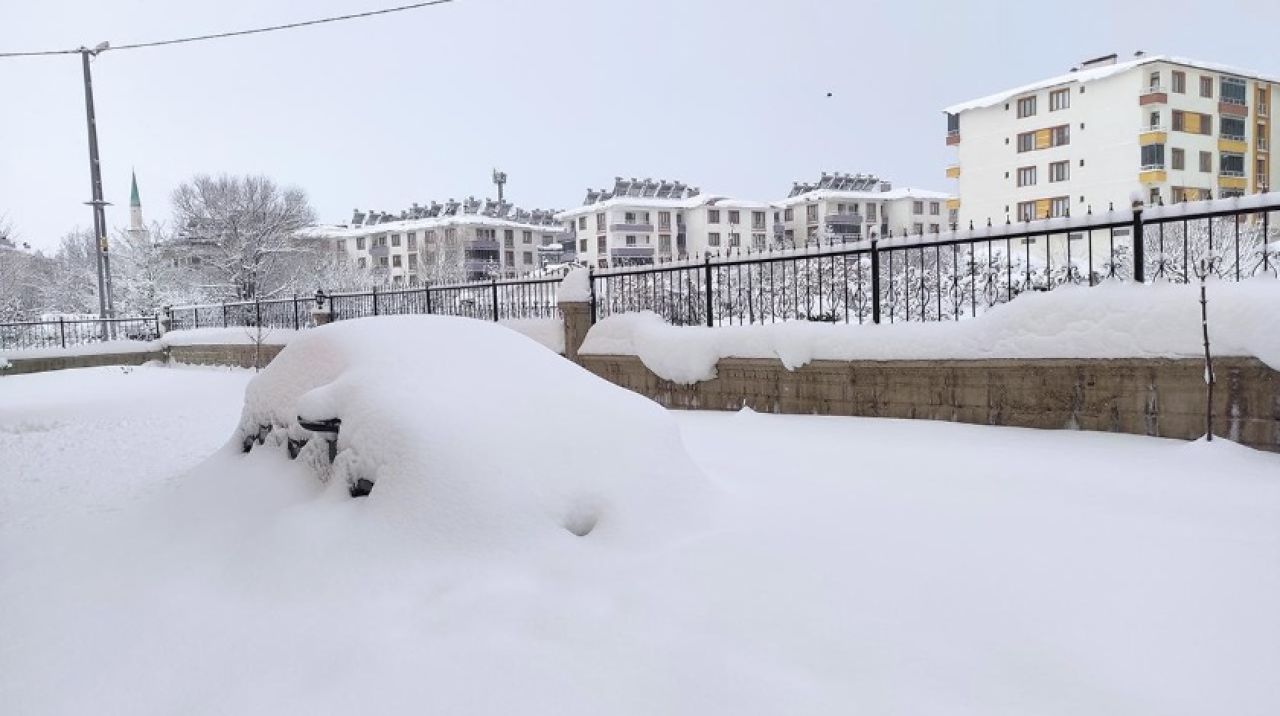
[[633, 227], [483, 244], [844, 217], [631, 251], [1153, 128], [379, 251], [1231, 173], [1153, 167], [953, 137]]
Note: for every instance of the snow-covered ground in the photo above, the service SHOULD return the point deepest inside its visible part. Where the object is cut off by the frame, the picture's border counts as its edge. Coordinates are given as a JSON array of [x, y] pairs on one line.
[[843, 566]]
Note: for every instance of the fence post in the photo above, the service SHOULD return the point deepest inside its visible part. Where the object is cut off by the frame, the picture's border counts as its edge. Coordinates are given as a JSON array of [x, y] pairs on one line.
[[875, 281], [427, 291], [295, 312], [224, 314], [1139, 250], [706, 278], [375, 300], [62, 330], [495, 299], [591, 288], [257, 311]]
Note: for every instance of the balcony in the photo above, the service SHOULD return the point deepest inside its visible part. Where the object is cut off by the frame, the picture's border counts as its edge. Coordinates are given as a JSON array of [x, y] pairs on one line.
[[1262, 144], [378, 251], [1263, 109], [953, 171], [1233, 180], [1153, 174], [1152, 135], [1233, 109], [1261, 182], [632, 228], [624, 252], [1153, 95], [1236, 145], [482, 244], [953, 137], [844, 217]]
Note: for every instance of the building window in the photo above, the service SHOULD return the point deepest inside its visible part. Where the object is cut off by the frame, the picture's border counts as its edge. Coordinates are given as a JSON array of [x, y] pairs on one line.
[[412, 239], [917, 229], [509, 258], [1206, 161], [1026, 141], [582, 246], [934, 208], [664, 219], [734, 217], [601, 246], [382, 262], [1026, 176], [1231, 128], [341, 245], [1026, 107], [1059, 99], [811, 213], [664, 243], [934, 228], [1177, 159], [713, 216], [1206, 87], [1153, 82], [757, 240], [582, 223], [528, 258], [396, 261], [360, 243], [917, 207], [1155, 196], [1059, 171], [1026, 210], [1059, 206], [1153, 120], [362, 262], [788, 214], [395, 240], [629, 217], [757, 220], [1231, 164], [1233, 91], [527, 237], [630, 240], [1060, 135], [1192, 122], [1179, 82], [871, 213], [413, 261], [600, 221], [1153, 156], [713, 239]]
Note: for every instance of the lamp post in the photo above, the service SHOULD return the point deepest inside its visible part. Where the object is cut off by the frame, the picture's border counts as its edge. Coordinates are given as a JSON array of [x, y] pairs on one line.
[[105, 304]]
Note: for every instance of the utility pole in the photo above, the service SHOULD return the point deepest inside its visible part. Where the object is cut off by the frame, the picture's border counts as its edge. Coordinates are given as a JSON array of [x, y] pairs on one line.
[[106, 306], [499, 178]]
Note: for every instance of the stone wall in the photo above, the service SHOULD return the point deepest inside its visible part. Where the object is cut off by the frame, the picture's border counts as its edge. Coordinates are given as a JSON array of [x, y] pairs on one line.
[[1145, 397], [19, 366], [241, 356]]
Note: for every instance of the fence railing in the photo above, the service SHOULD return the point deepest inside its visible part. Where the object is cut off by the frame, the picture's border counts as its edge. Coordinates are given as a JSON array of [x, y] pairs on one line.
[[68, 332], [950, 275]]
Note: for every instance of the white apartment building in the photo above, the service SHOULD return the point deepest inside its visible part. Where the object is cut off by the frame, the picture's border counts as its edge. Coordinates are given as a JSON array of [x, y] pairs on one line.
[[448, 242], [1168, 128], [850, 207], [643, 221]]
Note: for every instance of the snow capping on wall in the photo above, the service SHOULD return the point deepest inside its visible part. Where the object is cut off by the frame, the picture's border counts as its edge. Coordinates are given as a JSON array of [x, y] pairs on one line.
[[1113, 320]]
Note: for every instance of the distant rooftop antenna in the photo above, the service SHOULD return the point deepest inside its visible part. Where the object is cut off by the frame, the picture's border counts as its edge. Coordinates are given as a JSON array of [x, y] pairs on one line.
[[499, 178]]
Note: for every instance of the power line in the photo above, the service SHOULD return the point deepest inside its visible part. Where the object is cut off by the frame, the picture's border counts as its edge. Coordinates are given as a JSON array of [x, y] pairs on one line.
[[237, 33]]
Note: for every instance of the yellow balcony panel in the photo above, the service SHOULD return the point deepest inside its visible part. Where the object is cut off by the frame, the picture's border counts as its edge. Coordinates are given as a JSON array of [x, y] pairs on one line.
[[953, 204], [1043, 139], [1233, 183], [1232, 145], [953, 171], [1153, 176], [1152, 138]]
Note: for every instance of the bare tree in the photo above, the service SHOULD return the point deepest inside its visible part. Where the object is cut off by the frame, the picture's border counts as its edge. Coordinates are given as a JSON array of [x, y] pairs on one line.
[[243, 229]]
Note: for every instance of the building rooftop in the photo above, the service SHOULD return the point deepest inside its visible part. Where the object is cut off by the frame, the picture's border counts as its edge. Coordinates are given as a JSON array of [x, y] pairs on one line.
[[903, 193], [841, 182], [1101, 68]]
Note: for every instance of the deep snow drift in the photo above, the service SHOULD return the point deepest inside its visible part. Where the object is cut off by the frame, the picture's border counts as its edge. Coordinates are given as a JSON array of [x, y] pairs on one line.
[[463, 426], [847, 566], [1113, 320]]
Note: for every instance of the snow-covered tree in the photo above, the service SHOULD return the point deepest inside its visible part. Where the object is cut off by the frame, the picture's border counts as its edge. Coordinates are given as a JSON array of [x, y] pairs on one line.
[[243, 229]]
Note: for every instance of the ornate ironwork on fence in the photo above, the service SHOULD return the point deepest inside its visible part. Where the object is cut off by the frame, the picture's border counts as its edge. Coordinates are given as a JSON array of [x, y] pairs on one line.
[[950, 275], [68, 332]]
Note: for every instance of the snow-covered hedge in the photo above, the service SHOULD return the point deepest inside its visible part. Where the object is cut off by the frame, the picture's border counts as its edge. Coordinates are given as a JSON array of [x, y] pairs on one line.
[[1113, 320]]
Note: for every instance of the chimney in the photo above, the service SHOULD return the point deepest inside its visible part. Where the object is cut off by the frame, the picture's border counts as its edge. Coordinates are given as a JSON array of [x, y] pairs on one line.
[[1099, 61]]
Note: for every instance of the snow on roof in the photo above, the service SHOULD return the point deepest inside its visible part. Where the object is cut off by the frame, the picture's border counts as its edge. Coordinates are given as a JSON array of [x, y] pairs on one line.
[[892, 194], [333, 231], [641, 201], [1096, 73]]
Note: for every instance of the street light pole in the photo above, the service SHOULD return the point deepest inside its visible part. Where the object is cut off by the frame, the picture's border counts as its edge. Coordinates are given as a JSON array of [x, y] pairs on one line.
[[105, 304]]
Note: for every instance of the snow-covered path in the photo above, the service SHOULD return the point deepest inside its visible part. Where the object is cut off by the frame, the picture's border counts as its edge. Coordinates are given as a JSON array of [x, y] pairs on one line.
[[848, 566]]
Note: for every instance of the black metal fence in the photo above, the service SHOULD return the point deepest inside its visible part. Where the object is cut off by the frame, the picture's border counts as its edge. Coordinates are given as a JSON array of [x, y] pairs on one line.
[[950, 275], [491, 300], [68, 332]]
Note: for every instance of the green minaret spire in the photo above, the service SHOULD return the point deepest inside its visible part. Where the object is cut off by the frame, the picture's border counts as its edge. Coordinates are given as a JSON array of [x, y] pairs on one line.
[[134, 200]]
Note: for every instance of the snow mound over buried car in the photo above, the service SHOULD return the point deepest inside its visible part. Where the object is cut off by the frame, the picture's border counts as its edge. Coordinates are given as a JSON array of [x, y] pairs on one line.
[[469, 430]]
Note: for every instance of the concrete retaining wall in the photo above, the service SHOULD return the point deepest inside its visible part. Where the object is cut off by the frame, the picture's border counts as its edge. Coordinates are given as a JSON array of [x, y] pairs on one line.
[[241, 356], [19, 366], [1146, 397]]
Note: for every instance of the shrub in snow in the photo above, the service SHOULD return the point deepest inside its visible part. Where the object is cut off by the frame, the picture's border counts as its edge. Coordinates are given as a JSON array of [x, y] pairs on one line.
[[465, 426]]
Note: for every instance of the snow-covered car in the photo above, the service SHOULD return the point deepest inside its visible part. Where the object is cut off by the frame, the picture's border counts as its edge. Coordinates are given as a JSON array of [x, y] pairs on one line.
[[469, 426]]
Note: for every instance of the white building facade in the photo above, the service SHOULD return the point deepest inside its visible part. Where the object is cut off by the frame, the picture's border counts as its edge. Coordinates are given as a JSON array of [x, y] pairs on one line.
[[1169, 129], [448, 242], [852, 207], [645, 221]]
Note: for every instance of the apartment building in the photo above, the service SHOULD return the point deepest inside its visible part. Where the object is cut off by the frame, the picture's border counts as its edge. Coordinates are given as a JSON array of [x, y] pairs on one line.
[[468, 240], [1171, 129], [850, 207], [643, 221]]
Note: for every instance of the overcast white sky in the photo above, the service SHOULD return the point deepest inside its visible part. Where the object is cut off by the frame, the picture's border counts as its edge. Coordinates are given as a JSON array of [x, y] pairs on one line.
[[729, 95]]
